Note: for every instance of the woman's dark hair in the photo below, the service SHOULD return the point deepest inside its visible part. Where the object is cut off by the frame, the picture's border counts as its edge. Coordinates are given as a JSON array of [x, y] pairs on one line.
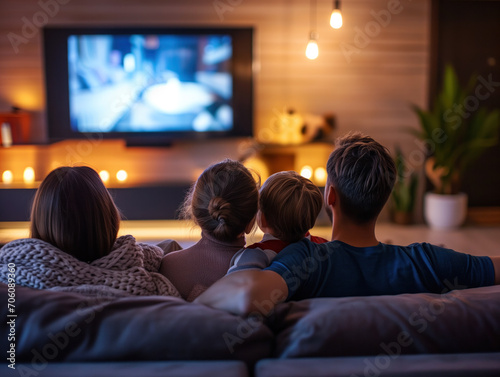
[[223, 201], [73, 211]]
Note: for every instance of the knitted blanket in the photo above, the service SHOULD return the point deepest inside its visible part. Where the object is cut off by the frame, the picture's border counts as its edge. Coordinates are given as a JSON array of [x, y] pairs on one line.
[[130, 268]]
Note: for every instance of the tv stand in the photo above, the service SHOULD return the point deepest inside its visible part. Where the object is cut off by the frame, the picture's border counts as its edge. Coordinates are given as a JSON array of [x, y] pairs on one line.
[[149, 142]]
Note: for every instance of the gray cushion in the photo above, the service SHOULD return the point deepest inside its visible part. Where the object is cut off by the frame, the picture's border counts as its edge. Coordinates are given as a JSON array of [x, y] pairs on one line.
[[460, 321], [70, 327], [464, 365]]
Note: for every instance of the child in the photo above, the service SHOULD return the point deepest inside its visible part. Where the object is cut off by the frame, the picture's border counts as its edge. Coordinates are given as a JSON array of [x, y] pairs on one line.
[[73, 244], [288, 207], [223, 202]]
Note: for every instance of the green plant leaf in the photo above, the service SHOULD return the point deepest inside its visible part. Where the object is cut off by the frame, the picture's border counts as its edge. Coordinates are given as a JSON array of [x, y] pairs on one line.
[[455, 137], [403, 194]]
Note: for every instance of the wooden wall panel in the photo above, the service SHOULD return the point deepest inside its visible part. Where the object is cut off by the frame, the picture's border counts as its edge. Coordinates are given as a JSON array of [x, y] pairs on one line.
[[371, 91]]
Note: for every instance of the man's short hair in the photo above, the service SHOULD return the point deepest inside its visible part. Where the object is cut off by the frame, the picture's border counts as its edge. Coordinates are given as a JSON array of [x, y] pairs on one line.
[[363, 174], [291, 204]]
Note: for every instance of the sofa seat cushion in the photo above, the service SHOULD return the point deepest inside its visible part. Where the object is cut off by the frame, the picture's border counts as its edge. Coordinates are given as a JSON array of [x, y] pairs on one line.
[[459, 321], [463, 365], [60, 326], [138, 368]]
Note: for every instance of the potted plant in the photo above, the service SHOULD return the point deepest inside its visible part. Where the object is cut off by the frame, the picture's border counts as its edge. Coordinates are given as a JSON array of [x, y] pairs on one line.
[[404, 192], [455, 137]]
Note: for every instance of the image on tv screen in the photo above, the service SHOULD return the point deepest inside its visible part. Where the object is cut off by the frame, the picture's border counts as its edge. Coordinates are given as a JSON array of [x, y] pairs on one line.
[[150, 83]]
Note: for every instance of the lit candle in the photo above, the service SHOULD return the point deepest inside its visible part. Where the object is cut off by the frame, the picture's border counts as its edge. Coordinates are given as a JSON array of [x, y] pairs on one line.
[[306, 172], [320, 176], [121, 175], [29, 175], [7, 177], [104, 176]]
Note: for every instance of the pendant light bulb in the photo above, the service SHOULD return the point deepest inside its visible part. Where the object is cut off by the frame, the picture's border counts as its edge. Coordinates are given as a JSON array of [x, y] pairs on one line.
[[312, 50], [336, 17]]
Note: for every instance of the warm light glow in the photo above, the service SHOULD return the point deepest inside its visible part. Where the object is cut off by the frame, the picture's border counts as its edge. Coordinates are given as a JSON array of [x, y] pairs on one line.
[[195, 173], [258, 168], [306, 172], [54, 164], [104, 175], [121, 175], [29, 175], [26, 97], [320, 176], [336, 19], [7, 177], [312, 50]]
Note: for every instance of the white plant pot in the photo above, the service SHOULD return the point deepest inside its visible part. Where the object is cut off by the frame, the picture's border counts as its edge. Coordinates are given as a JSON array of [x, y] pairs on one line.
[[445, 211]]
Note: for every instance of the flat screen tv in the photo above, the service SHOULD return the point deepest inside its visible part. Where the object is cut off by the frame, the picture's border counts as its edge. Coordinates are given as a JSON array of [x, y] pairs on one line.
[[149, 85]]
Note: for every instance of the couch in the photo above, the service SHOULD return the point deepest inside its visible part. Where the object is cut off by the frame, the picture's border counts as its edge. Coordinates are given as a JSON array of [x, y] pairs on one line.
[[66, 334]]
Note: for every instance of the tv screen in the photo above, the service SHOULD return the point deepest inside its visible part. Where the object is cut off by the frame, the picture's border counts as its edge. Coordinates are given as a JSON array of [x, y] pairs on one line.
[[148, 85]]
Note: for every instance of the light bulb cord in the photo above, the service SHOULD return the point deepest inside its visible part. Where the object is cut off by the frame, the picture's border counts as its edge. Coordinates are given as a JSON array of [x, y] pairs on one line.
[[312, 16]]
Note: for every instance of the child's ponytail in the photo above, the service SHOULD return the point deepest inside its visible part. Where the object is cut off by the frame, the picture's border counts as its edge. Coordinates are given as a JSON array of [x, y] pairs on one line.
[[223, 201]]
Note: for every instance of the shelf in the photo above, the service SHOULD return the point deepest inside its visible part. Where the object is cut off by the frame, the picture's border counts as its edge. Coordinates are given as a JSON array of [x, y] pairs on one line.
[[278, 158]]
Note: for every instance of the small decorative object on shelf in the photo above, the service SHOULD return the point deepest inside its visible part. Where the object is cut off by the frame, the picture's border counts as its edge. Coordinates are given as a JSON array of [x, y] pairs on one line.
[[15, 127], [288, 127], [6, 135]]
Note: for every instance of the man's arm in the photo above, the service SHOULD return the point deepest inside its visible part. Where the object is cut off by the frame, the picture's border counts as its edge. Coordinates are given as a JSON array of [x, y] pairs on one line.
[[246, 292], [496, 267], [255, 258]]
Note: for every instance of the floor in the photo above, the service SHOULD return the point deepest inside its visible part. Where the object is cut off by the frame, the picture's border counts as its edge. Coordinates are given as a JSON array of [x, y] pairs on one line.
[[475, 240]]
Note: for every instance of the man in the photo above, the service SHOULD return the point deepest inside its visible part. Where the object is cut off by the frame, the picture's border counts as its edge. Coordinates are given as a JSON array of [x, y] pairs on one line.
[[361, 175]]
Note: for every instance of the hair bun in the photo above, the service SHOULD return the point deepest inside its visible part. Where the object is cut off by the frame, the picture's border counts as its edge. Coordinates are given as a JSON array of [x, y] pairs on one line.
[[219, 209]]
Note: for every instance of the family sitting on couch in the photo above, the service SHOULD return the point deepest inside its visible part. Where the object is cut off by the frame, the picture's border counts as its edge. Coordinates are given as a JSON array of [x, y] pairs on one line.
[[74, 244]]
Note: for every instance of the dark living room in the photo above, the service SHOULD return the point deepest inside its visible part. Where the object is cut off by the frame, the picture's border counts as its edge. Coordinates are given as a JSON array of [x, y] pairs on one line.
[[150, 93]]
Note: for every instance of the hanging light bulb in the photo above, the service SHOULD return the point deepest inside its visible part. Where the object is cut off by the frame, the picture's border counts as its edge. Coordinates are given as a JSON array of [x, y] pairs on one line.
[[336, 17], [312, 49]]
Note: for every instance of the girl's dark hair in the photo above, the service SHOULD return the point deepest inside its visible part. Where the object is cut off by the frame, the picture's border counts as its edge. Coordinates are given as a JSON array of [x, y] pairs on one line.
[[73, 211], [223, 201]]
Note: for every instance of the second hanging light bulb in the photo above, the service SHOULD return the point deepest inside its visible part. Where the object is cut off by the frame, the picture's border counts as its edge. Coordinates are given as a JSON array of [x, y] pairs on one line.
[[312, 50]]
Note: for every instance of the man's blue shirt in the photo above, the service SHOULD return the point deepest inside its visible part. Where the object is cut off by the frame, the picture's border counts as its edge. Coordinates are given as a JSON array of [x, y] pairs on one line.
[[336, 269]]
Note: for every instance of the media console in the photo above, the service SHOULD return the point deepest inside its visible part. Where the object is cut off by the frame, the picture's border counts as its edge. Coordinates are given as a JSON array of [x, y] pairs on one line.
[[135, 203]]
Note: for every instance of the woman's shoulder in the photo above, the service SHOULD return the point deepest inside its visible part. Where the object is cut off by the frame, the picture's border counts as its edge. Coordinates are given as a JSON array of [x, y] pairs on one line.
[[182, 253]]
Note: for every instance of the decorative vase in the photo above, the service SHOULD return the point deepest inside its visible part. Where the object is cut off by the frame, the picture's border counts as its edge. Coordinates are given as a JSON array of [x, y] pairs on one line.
[[445, 211]]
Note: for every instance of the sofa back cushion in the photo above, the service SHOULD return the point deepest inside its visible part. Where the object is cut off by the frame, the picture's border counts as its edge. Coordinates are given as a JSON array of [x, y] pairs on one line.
[[70, 327], [459, 321]]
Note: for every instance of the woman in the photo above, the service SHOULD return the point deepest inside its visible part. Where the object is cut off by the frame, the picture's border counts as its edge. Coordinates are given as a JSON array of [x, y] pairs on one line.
[[73, 244]]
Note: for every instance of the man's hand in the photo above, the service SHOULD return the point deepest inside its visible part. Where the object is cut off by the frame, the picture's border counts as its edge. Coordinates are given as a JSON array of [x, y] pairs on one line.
[[246, 292]]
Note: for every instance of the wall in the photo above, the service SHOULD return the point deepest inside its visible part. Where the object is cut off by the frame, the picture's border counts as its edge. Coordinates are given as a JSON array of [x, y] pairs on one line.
[[367, 73]]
